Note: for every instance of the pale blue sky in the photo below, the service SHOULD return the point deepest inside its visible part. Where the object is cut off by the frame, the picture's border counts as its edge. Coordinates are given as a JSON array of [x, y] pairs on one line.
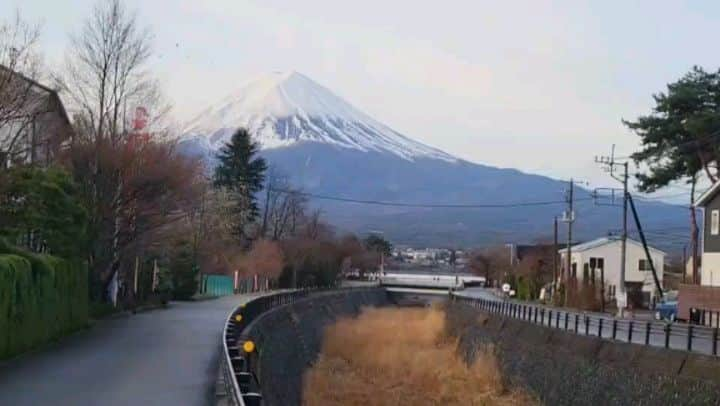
[[536, 85]]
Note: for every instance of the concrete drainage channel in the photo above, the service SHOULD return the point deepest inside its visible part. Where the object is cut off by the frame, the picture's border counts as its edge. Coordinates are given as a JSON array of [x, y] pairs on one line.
[[270, 341]]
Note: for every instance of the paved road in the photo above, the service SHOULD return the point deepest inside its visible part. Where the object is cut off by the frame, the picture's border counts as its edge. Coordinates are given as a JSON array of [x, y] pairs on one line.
[[702, 337], [162, 357]]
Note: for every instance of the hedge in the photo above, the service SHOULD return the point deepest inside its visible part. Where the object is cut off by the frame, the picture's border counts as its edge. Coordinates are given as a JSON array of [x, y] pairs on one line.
[[42, 298]]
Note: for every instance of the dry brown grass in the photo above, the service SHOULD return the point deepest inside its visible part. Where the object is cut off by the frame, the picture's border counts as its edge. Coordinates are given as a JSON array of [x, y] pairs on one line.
[[401, 357]]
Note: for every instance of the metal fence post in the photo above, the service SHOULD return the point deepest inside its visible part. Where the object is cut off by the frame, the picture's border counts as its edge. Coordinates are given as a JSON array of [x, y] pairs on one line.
[[715, 340], [630, 331], [614, 329], [648, 326], [689, 337], [549, 318], [667, 335], [587, 325], [557, 319], [577, 316], [566, 320], [536, 313], [600, 323]]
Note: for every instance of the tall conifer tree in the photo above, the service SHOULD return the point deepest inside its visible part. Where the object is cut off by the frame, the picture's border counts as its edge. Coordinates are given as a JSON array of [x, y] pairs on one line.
[[241, 172]]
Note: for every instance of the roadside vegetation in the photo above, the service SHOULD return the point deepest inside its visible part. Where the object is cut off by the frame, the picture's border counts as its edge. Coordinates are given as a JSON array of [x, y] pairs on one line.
[[93, 180], [402, 357]]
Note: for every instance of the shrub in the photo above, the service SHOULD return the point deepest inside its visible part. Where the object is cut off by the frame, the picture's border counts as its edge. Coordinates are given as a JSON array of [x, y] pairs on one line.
[[40, 210], [184, 274], [42, 298]]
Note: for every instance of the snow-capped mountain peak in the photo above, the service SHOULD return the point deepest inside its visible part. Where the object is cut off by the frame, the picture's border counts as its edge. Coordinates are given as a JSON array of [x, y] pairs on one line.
[[283, 108]]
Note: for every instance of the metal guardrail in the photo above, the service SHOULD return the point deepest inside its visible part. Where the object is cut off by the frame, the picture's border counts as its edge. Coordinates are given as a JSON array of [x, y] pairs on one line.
[[240, 362], [238, 350], [705, 317], [677, 336]]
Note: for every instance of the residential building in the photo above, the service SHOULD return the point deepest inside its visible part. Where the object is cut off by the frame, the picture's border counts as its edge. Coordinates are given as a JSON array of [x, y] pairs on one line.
[[709, 203], [706, 296], [601, 259], [33, 122]]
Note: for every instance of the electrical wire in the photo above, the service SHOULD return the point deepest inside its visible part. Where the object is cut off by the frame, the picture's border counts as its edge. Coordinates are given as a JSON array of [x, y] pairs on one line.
[[425, 205]]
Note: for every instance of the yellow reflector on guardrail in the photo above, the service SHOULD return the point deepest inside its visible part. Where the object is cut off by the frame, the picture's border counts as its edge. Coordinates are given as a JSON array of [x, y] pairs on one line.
[[238, 317], [248, 346]]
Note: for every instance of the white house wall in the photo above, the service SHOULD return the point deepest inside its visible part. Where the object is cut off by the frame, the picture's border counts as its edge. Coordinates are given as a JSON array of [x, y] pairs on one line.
[[611, 253], [710, 275]]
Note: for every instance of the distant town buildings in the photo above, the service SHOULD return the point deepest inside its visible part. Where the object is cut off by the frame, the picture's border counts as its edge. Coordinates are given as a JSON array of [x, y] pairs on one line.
[[431, 256]]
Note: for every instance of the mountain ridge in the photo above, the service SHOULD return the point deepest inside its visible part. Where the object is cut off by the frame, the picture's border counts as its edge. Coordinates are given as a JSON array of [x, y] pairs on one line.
[[327, 147]]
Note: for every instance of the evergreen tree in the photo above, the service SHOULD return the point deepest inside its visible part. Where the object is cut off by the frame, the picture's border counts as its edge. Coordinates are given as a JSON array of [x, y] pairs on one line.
[[378, 244], [40, 210], [241, 173], [681, 139]]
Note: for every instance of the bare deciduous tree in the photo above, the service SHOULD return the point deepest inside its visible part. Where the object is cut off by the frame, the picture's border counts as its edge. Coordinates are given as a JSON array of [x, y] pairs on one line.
[[105, 73], [284, 207]]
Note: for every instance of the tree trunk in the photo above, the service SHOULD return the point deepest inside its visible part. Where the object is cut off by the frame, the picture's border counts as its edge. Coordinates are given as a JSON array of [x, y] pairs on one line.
[[693, 232]]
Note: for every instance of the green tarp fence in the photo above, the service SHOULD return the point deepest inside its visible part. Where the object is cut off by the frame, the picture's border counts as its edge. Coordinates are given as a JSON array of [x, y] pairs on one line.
[[216, 285], [222, 285]]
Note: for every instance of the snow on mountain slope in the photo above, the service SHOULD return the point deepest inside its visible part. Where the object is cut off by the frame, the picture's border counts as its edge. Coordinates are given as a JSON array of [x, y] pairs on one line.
[[280, 109]]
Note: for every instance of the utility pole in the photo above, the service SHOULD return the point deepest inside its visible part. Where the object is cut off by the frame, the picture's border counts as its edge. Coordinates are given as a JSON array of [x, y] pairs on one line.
[[658, 285], [623, 253], [610, 163], [684, 263], [569, 218], [555, 255]]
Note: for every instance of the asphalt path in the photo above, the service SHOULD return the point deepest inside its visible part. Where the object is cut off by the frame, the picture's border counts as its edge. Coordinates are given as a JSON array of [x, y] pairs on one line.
[[161, 357]]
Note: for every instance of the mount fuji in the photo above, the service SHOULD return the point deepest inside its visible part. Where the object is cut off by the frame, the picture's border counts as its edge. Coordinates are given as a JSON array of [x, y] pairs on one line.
[[328, 147], [282, 109]]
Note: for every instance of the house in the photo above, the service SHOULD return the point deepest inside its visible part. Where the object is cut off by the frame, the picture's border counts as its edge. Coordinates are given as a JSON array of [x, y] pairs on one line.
[[709, 203], [706, 296], [34, 124], [601, 259]]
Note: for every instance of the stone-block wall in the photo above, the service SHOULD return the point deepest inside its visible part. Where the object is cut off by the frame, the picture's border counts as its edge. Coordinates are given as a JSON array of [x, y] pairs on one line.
[[562, 368], [289, 339]]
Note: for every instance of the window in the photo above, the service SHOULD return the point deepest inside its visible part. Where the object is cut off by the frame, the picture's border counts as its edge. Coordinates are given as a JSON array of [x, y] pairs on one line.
[[574, 270], [715, 222], [597, 263], [586, 271], [643, 265]]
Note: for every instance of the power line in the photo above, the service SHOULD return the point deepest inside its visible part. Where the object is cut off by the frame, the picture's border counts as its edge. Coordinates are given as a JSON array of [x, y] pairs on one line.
[[424, 205], [661, 196]]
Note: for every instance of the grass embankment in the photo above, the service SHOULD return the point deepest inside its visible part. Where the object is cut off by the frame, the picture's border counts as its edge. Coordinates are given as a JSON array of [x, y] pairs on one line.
[[402, 357]]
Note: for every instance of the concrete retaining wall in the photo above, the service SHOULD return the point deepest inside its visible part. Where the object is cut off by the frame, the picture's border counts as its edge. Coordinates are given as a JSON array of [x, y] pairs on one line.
[[289, 338], [562, 368]]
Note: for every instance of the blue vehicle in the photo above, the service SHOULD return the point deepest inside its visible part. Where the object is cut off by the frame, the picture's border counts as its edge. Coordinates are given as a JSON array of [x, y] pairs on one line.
[[667, 309]]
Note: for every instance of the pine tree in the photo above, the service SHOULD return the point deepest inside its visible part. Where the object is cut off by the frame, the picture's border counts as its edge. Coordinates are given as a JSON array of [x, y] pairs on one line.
[[241, 173]]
